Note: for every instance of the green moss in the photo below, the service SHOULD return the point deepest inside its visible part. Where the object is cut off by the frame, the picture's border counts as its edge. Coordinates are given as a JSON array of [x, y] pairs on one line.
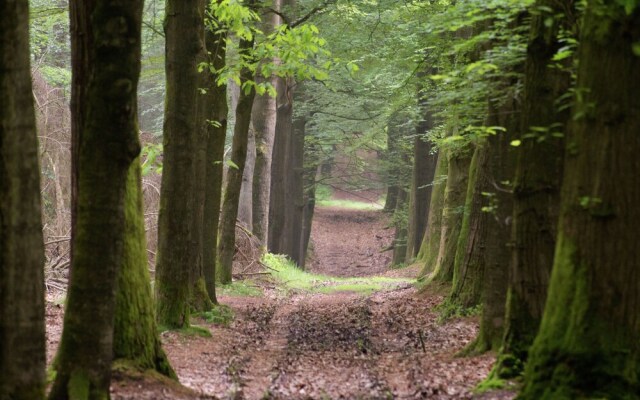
[[449, 309], [200, 301], [219, 315], [79, 385]]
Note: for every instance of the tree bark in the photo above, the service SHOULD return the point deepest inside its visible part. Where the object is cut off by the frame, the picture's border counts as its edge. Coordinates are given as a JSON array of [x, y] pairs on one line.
[[400, 236], [294, 191], [245, 205], [537, 184], [424, 166], [135, 339], [226, 245], [22, 330], [277, 204], [430, 246], [264, 116], [452, 213], [183, 25], [106, 67], [216, 98], [587, 345]]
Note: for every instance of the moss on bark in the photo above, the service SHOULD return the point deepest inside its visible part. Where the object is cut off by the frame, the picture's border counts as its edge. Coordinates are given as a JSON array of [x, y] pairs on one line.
[[135, 338], [587, 346]]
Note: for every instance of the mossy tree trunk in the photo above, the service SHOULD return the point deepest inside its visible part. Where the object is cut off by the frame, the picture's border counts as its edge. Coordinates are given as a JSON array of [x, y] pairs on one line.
[[497, 210], [264, 116], [106, 67], [135, 339], [587, 345], [400, 236], [226, 244], [424, 165], [294, 191], [469, 262], [199, 299], [176, 258], [536, 187], [217, 109], [311, 159], [22, 338], [453, 206], [430, 246]]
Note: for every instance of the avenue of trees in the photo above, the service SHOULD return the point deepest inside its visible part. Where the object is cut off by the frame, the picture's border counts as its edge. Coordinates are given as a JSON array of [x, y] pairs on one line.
[[505, 135]]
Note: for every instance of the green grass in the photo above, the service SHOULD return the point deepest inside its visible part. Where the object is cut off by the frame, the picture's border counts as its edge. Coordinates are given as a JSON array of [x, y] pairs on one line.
[[350, 204], [219, 315], [290, 277], [244, 288]]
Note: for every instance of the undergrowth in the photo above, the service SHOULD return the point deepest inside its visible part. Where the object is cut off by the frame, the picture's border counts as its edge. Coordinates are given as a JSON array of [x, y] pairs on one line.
[[219, 315], [290, 277], [243, 288]]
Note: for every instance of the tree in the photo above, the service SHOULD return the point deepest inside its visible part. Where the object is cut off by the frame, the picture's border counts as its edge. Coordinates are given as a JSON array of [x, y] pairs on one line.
[[183, 27], [22, 340], [136, 341], [536, 189], [106, 68], [587, 345], [263, 116], [226, 244], [216, 124]]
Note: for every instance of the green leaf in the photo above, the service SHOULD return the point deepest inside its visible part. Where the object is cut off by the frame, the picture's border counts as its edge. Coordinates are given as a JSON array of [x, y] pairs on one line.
[[516, 143], [636, 49], [231, 164]]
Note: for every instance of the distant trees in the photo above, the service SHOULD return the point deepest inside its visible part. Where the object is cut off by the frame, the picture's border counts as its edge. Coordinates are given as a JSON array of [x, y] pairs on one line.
[[22, 340]]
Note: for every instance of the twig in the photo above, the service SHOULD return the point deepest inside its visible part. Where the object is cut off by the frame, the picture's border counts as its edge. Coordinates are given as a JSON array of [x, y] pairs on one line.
[[424, 348], [58, 241]]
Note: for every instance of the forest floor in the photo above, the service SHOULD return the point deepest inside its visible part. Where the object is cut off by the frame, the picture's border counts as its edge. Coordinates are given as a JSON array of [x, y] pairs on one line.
[[369, 337]]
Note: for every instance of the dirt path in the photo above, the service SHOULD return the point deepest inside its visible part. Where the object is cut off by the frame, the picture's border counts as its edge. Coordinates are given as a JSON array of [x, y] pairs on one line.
[[349, 242], [301, 345], [387, 345]]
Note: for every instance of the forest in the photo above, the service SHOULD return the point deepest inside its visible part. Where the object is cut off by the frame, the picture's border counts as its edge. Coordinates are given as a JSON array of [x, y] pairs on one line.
[[319, 199]]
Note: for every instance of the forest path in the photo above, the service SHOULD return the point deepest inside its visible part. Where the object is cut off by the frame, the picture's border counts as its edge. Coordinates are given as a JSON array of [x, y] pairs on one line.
[[381, 342], [338, 345]]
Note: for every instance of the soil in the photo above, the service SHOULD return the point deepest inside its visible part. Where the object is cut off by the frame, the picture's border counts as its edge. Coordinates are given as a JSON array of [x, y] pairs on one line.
[[343, 345]]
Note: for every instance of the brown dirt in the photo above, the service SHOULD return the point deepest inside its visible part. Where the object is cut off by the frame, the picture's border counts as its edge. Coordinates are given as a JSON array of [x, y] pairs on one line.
[[350, 242], [321, 346]]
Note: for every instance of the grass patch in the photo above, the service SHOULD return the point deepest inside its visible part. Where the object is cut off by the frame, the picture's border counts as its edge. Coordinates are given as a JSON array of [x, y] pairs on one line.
[[350, 204], [293, 278], [191, 330], [219, 315], [244, 288]]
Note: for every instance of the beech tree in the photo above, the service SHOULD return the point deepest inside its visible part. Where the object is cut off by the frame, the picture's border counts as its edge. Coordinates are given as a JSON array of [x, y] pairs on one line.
[[22, 340], [106, 68], [587, 345], [176, 261]]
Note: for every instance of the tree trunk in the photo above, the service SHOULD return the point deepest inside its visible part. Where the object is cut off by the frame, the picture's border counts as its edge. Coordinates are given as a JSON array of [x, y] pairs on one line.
[[400, 236], [424, 166], [106, 67], [226, 245], [430, 246], [183, 24], [135, 339], [264, 116], [245, 204], [536, 192], [294, 191], [452, 213], [469, 261], [497, 211], [22, 338], [587, 345], [216, 98], [277, 204], [199, 299]]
